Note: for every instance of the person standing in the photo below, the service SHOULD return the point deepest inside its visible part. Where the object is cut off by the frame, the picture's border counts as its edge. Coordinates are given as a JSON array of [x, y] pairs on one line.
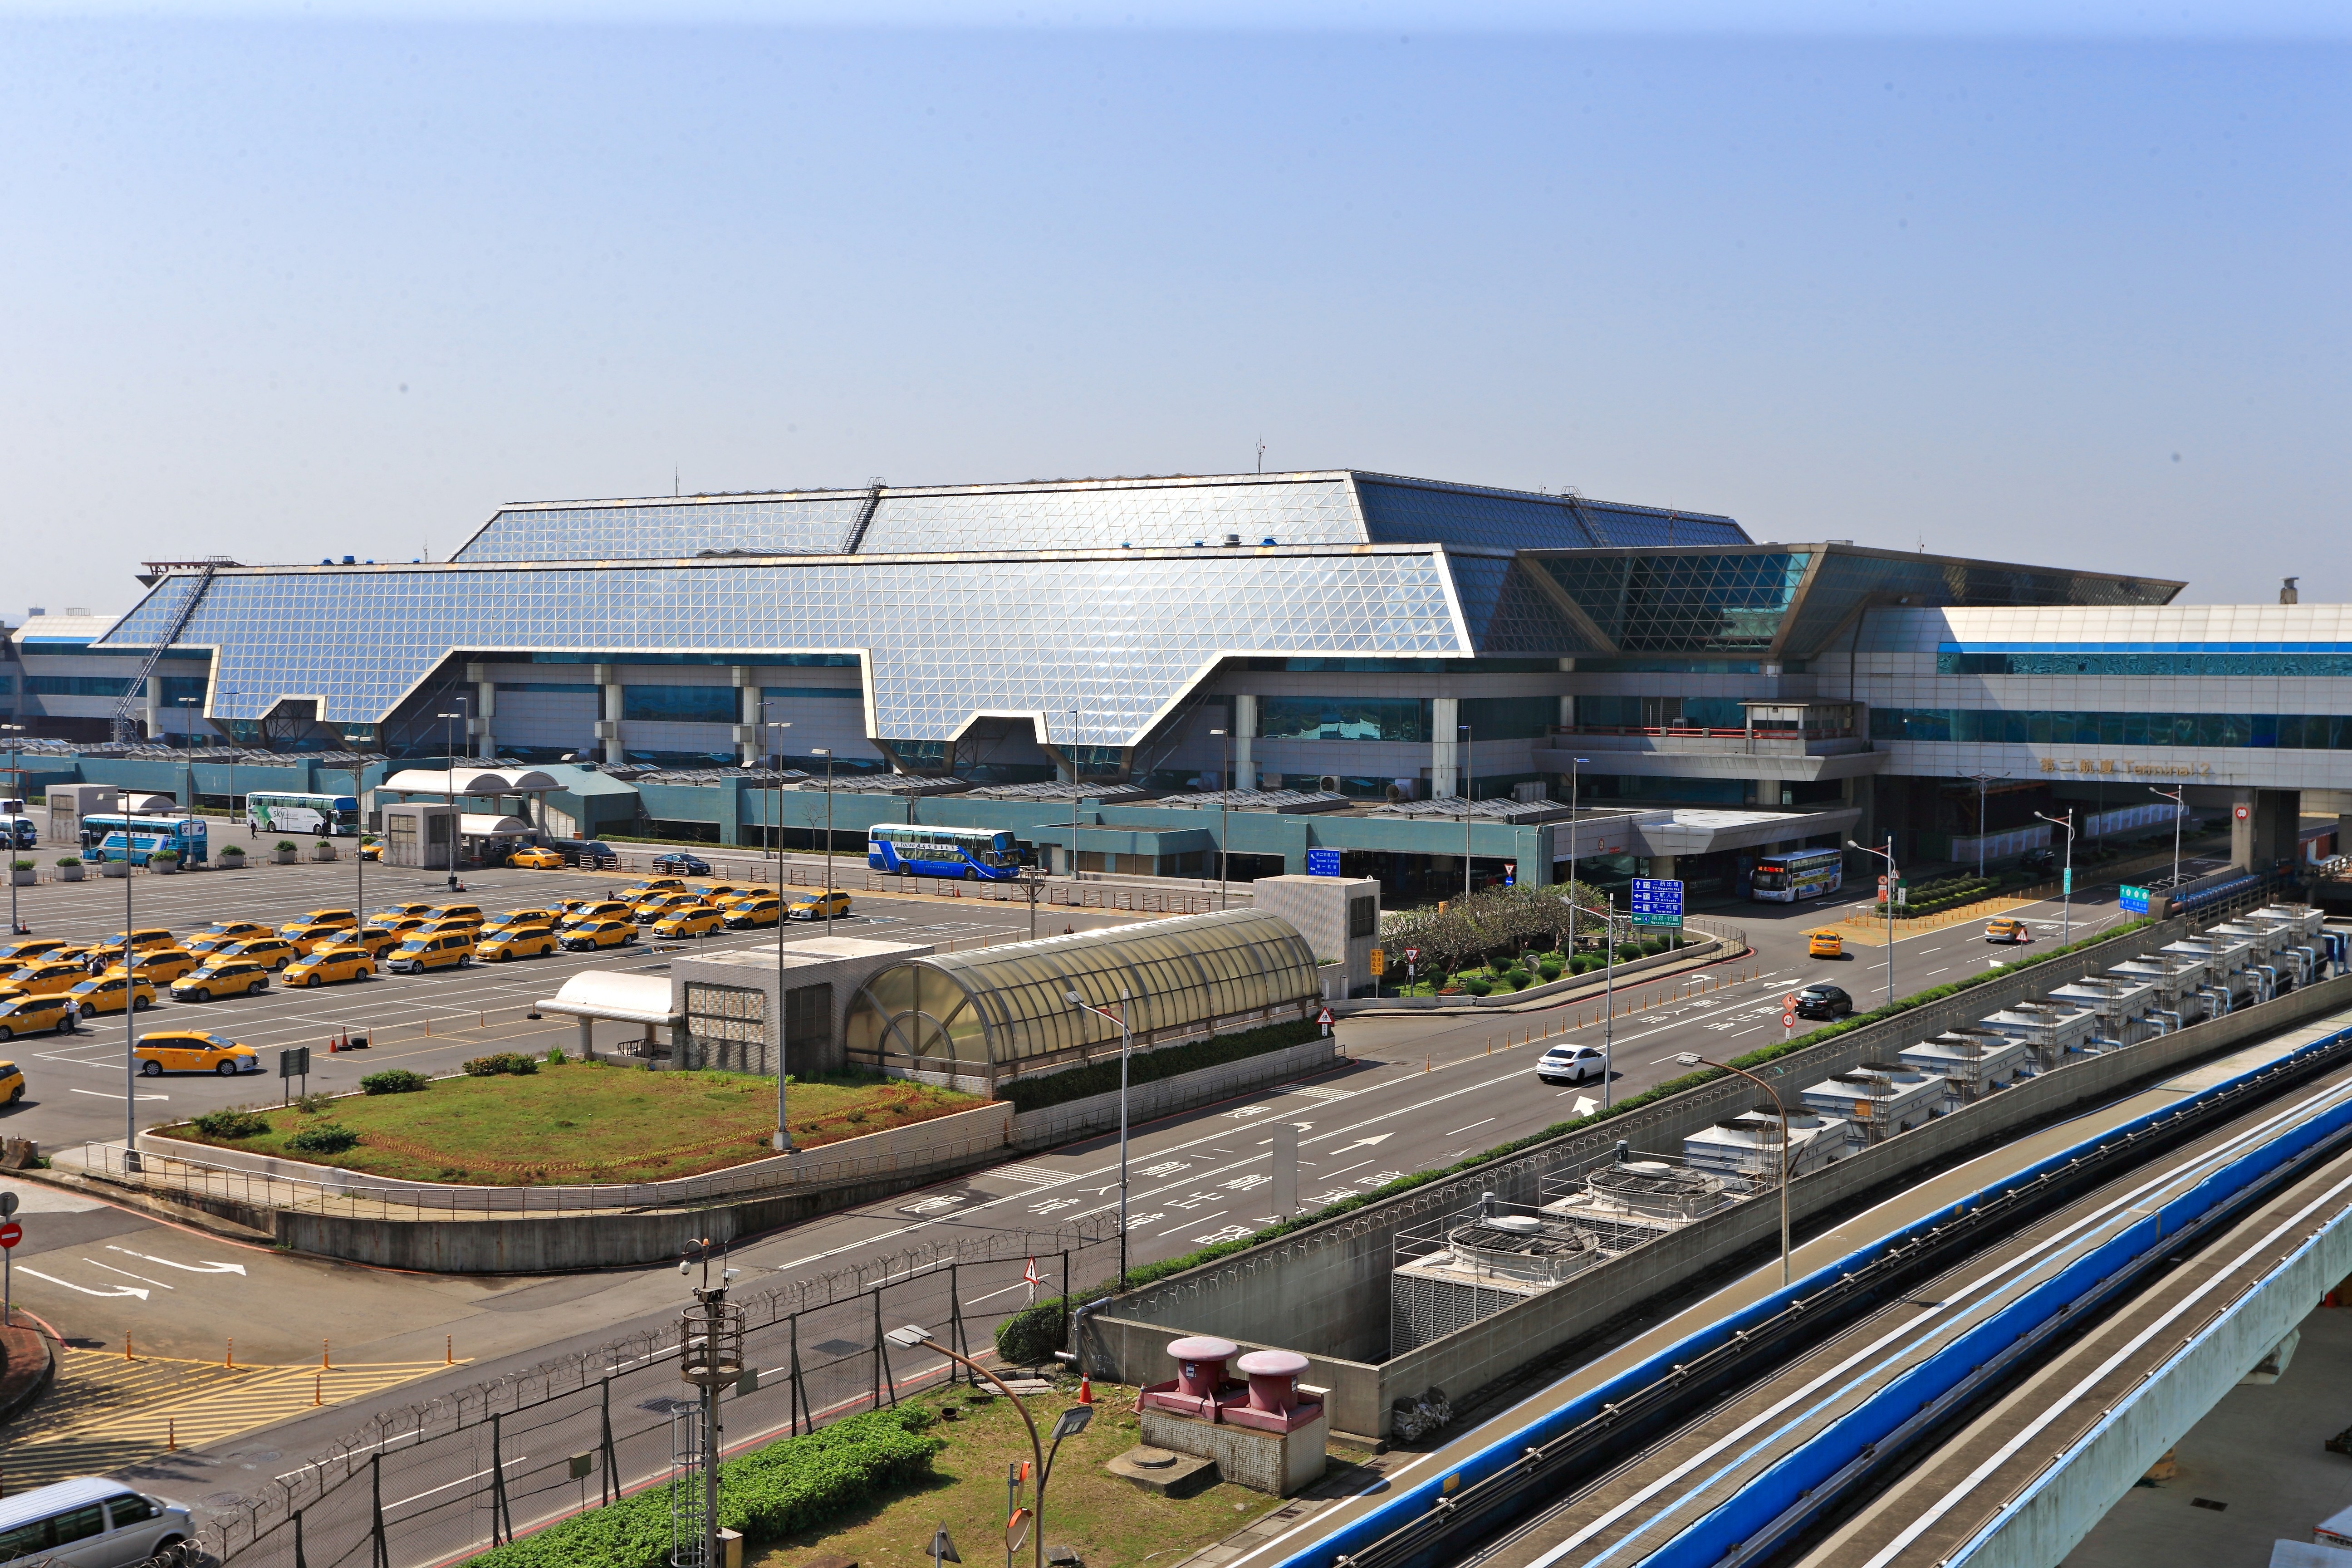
[[73, 1015]]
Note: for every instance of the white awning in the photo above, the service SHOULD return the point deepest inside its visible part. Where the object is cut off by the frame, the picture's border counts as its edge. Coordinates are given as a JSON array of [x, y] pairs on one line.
[[484, 824], [465, 779], [622, 998]]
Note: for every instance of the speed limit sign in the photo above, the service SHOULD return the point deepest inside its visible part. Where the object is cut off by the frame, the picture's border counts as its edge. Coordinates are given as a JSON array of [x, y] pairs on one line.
[[1788, 1020]]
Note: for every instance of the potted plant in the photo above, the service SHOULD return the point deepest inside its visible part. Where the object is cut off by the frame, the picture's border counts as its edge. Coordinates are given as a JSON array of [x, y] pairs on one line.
[[163, 862], [232, 857], [283, 852], [324, 849], [113, 867], [70, 867], [20, 872]]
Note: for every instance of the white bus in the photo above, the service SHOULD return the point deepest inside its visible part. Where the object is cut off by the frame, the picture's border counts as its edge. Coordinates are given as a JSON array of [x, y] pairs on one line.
[[303, 813], [1798, 874]]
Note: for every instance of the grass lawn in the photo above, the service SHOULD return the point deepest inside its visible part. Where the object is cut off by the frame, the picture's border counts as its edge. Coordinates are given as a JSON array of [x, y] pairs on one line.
[[589, 1122], [1110, 1522]]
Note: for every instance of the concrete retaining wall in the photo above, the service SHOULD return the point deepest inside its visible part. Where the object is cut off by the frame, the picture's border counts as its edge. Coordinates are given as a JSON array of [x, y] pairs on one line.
[[1202, 1086]]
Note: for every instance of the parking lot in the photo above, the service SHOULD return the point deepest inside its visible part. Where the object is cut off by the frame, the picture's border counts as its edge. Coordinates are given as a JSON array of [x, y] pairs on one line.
[[431, 1022]]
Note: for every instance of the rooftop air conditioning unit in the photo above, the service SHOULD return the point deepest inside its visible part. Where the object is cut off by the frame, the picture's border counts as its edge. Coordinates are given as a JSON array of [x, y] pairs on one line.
[[1328, 784]]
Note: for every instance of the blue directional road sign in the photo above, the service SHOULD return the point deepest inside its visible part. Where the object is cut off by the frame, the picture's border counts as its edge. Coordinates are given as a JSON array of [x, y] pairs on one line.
[[1658, 902], [2135, 900], [1322, 862]]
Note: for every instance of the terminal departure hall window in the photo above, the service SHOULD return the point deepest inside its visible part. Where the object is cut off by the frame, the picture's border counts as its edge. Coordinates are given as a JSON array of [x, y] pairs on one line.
[[683, 704], [1344, 719], [2286, 731], [1510, 718], [77, 685]]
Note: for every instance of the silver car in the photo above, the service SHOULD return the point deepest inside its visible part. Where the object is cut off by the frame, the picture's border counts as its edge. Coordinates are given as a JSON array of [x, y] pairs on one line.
[[90, 1522], [1571, 1064]]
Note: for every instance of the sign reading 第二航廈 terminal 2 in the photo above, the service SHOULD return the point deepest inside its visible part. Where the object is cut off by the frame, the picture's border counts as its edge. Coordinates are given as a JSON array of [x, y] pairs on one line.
[[2133, 901], [1656, 901]]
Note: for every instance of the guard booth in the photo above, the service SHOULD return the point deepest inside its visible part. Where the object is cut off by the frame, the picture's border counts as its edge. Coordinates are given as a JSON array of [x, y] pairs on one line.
[[421, 835]]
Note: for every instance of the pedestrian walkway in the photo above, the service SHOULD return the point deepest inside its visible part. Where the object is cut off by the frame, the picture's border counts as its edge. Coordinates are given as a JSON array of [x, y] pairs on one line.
[[107, 1412]]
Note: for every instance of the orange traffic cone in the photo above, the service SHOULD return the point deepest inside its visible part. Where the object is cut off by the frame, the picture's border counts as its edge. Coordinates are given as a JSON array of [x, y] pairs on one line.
[[1085, 1389]]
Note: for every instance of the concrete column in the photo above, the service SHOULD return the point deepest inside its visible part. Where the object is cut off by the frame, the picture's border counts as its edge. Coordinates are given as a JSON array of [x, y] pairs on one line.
[[1662, 866], [2243, 812], [587, 1040], [608, 728], [1244, 736], [2278, 823], [747, 716], [1445, 776], [486, 711], [154, 698]]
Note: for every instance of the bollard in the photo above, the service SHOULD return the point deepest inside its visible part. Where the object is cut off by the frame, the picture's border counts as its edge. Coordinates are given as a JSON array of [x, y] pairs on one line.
[[229, 1361], [324, 1362], [318, 1388], [126, 1344], [171, 1436], [449, 1349]]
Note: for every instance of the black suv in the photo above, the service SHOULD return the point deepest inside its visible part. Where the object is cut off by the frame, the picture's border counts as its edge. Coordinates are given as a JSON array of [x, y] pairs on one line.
[[678, 862], [1823, 1002], [2038, 860]]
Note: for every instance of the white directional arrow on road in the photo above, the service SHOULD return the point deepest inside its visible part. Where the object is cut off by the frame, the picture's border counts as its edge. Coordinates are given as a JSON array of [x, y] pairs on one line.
[[118, 1290], [206, 1267], [1586, 1105], [1367, 1142]]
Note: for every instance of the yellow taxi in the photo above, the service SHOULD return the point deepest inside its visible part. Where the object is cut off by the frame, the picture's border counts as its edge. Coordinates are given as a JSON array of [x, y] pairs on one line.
[[223, 976], [273, 951], [12, 1083], [31, 1015], [746, 914], [193, 1050], [111, 951], [512, 918], [689, 919], [466, 915], [653, 906], [2006, 930], [224, 934], [589, 935], [438, 949], [309, 939], [326, 964], [373, 941], [163, 966], [44, 977], [536, 859], [392, 926], [514, 941], [721, 895], [15, 954], [638, 889], [107, 993], [819, 905], [601, 910], [391, 912], [1824, 944], [345, 918], [371, 849]]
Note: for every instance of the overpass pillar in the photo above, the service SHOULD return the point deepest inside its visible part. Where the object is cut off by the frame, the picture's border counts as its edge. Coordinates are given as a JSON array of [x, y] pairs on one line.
[[2264, 825]]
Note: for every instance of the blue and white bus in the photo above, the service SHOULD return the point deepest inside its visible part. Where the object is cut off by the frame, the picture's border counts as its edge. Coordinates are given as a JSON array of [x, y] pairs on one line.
[[975, 853], [1798, 874], [135, 838]]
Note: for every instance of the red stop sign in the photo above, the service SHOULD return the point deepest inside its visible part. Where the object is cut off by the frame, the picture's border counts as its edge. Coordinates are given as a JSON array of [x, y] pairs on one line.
[[11, 1233]]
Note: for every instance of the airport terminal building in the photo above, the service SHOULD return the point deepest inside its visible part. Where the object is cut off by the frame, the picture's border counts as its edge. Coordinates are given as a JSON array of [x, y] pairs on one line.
[[1150, 673]]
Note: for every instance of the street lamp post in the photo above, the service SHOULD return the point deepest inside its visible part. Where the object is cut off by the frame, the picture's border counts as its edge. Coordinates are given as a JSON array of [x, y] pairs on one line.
[[1069, 1424], [1886, 855], [449, 738], [2178, 797], [1126, 1044], [1692, 1059], [2066, 881], [1981, 781], [826, 752], [1225, 825], [1468, 737], [1574, 765], [783, 1139], [16, 926]]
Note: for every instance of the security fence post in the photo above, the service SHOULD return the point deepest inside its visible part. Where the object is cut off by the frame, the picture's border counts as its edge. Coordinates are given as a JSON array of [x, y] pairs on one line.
[[800, 1394], [299, 1560], [883, 1379], [955, 1332], [608, 1485], [501, 1526], [383, 1553]]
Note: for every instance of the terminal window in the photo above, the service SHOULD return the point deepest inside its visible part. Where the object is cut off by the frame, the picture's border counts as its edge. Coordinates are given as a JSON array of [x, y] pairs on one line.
[[737, 1013], [685, 704]]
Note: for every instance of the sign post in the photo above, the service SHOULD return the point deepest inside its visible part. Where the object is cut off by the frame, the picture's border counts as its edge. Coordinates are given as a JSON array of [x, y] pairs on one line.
[[293, 1062], [1412, 967], [1324, 1019], [2134, 899], [11, 1233], [1658, 902]]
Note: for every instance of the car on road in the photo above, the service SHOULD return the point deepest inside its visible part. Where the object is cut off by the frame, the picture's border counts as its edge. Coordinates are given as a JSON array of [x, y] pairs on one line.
[[163, 966], [223, 975], [649, 885], [31, 1015], [2008, 931], [515, 941], [444, 950], [110, 992], [536, 859], [371, 849], [273, 951], [594, 909], [454, 914], [590, 935], [345, 918], [2038, 861], [1823, 1002], [311, 938], [513, 918], [653, 906], [193, 1050], [391, 912], [44, 977], [721, 895], [819, 905], [1824, 944], [373, 941], [15, 954], [745, 914], [689, 919], [1571, 1064], [90, 1522], [223, 935], [12, 1083], [110, 953], [679, 861], [325, 965]]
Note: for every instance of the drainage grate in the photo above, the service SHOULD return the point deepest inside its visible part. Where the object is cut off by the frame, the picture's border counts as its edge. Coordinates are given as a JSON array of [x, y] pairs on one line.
[[2206, 1502]]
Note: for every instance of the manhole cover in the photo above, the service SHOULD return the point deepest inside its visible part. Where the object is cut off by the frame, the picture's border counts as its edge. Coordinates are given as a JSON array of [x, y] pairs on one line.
[[666, 1406], [1152, 1459], [839, 1347]]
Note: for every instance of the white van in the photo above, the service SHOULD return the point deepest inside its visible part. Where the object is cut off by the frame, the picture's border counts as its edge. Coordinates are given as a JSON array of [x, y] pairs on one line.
[[90, 1522]]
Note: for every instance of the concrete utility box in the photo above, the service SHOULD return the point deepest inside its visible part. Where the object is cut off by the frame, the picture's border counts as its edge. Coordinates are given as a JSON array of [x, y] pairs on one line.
[[1263, 1430], [729, 1001], [1339, 916], [69, 803], [1881, 1097], [421, 835]]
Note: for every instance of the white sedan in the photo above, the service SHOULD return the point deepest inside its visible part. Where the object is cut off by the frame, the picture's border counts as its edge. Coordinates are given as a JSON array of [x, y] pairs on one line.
[[1571, 1064]]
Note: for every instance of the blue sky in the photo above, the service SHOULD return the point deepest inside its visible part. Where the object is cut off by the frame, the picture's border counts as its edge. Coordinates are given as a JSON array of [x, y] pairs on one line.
[[282, 286]]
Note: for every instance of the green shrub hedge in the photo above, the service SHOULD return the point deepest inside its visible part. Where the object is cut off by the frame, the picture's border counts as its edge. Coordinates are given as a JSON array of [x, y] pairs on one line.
[[394, 1080], [1102, 1077], [327, 1137], [231, 1124], [777, 1490], [498, 1062], [1031, 1336]]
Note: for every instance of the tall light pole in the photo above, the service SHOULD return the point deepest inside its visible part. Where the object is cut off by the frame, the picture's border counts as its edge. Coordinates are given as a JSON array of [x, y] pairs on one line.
[[1076, 790], [783, 1139], [1069, 1424], [2066, 881], [16, 926], [1126, 1044], [1886, 855], [1982, 780], [776, 789], [1692, 1059], [826, 752], [1575, 765], [2178, 797], [1225, 827], [449, 738], [130, 996], [1465, 739]]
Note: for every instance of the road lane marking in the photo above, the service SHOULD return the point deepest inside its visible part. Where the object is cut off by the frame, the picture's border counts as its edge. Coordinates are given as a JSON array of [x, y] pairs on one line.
[[206, 1267], [111, 1268], [1451, 1132], [101, 1094], [118, 1290]]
